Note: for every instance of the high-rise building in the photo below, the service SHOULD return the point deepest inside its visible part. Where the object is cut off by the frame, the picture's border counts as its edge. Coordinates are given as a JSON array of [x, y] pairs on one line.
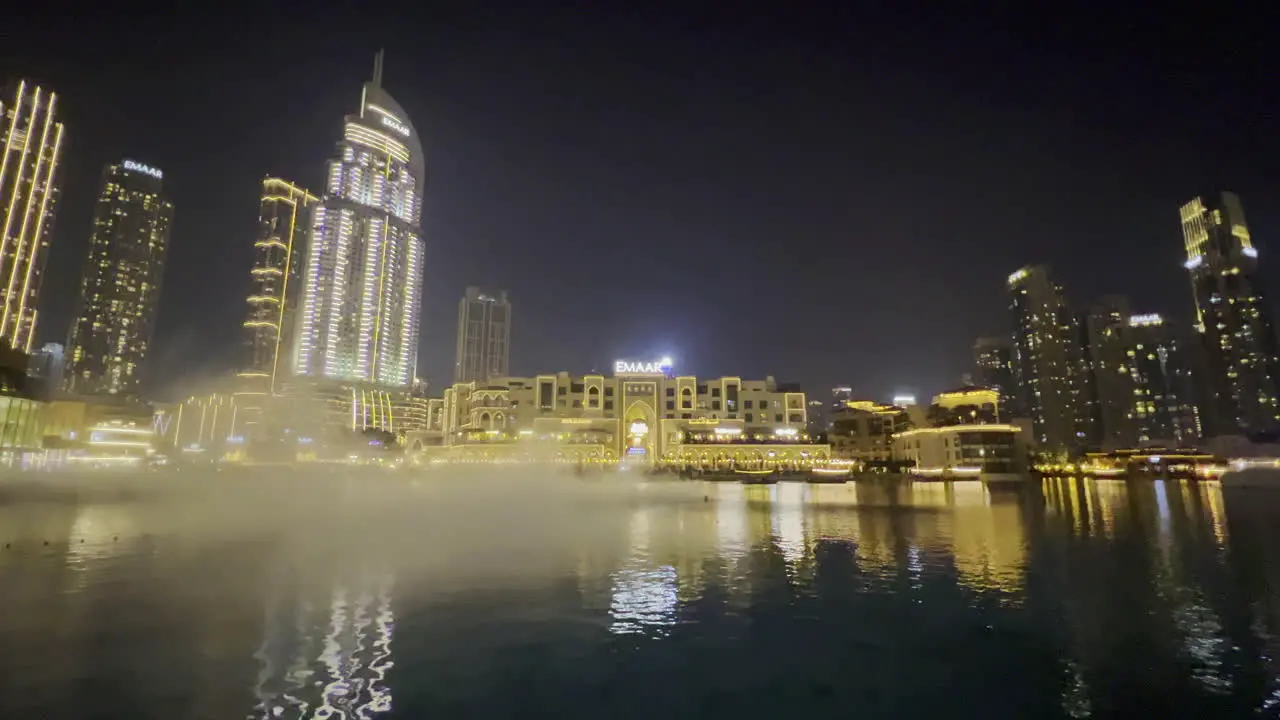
[[1106, 383], [484, 336], [1162, 409], [279, 251], [362, 283], [120, 290], [32, 142], [45, 369], [1047, 360], [1232, 316], [993, 368]]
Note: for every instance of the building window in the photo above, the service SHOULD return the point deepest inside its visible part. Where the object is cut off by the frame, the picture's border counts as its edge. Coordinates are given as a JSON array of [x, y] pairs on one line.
[[608, 392], [671, 404], [715, 404], [750, 418], [577, 388], [561, 390], [671, 392], [577, 403], [777, 417], [715, 392], [608, 404], [686, 399], [746, 404], [686, 416]]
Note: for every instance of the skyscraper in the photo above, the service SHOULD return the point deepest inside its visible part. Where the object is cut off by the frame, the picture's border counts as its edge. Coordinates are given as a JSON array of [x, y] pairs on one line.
[[1232, 316], [32, 142], [120, 290], [362, 284], [1106, 382], [1047, 359], [1162, 403], [484, 335], [280, 250]]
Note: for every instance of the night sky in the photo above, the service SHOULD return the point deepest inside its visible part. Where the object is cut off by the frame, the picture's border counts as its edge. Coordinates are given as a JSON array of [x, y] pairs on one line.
[[824, 194]]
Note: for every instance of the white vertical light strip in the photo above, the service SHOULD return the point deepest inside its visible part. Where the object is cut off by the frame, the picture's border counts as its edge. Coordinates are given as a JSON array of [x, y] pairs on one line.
[[36, 246]]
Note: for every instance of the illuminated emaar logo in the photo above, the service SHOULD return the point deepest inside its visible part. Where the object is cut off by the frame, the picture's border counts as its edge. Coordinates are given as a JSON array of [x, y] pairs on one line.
[[398, 127], [132, 166], [657, 367]]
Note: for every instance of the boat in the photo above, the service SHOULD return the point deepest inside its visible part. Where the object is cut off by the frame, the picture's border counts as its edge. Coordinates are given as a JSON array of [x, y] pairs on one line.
[[831, 475]]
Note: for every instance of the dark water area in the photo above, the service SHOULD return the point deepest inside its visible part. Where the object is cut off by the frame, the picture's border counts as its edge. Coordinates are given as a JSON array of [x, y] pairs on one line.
[[1065, 599]]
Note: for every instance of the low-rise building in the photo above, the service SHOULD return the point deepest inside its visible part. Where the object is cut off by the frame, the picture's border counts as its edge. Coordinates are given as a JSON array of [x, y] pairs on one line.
[[964, 449], [642, 414], [862, 431], [967, 405]]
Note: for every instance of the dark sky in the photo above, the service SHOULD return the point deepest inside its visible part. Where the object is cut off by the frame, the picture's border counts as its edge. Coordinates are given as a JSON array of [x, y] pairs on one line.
[[826, 194]]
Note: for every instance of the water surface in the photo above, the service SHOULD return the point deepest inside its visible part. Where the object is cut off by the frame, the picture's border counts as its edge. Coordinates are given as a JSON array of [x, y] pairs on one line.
[[376, 598]]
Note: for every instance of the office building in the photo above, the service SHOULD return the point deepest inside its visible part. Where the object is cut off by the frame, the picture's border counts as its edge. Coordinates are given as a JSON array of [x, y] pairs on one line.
[[641, 415], [120, 289], [1106, 382], [484, 336], [362, 282], [45, 370], [1232, 316], [32, 142], [1047, 360], [1163, 401], [993, 368], [276, 281]]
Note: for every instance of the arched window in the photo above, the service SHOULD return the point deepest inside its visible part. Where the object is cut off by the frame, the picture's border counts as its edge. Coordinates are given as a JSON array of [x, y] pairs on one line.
[[686, 399], [593, 397]]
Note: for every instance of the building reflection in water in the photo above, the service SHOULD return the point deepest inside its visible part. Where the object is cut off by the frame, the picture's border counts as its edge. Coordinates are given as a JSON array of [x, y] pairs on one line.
[[327, 657]]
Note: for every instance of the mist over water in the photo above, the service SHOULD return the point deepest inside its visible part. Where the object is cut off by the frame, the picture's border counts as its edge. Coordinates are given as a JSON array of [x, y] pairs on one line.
[[532, 592]]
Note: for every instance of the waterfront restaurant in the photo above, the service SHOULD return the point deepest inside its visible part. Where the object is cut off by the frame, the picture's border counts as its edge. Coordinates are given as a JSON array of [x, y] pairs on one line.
[[642, 415]]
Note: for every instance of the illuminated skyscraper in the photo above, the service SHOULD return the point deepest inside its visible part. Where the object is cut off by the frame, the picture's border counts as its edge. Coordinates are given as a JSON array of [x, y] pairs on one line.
[[362, 284], [484, 336], [32, 142], [1047, 360], [1106, 380], [120, 291], [1232, 316], [1163, 406], [280, 252]]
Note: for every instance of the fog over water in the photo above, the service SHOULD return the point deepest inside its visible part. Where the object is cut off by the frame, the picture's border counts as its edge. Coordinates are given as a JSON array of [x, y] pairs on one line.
[[533, 592]]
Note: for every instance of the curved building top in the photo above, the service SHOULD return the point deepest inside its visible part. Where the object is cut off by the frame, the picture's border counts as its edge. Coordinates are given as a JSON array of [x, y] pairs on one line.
[[380, 112]]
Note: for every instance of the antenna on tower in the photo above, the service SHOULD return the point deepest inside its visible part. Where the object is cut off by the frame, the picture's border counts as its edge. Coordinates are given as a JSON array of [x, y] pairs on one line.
[[377, 68]]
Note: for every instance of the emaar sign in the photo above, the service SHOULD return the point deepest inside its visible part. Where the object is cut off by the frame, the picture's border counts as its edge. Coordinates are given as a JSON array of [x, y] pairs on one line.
[[132, 166], [631, 367]]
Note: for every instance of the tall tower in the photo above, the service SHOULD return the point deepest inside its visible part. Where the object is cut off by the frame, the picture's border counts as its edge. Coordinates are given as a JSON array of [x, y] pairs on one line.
[[1162, 403], [1047, 359], [120, 290], [1106, 380], [283, 221], [484, 335], [32, 142], [1232, 316], [362, 283]]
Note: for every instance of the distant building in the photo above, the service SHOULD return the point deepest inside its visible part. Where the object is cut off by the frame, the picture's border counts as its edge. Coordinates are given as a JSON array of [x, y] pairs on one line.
[[969, 405], [484, 336], [1163, 401], [120, 289], [362, 282], [45, 370], [863, 431], [993, 368], [640, 415], [1233, 317], [1106, 384], [1047, 360], [31, 138]]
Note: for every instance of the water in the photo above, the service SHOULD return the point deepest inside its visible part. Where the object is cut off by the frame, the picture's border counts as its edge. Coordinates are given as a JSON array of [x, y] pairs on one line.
[[364, 598]]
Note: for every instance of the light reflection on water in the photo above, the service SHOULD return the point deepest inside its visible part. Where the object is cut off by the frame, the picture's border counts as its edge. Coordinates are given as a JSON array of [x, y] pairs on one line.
[[1062, 598]]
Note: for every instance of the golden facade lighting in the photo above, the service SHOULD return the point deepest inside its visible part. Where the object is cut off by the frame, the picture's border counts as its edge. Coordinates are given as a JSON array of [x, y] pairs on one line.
[[32, 144]]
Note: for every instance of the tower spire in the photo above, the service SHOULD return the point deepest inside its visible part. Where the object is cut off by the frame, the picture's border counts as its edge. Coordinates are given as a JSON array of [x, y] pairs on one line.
[[377, 68]]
